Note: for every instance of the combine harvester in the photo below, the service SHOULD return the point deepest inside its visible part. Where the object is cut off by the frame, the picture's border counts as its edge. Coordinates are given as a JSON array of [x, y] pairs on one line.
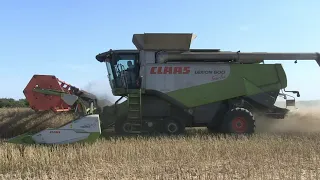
[[169, 87]]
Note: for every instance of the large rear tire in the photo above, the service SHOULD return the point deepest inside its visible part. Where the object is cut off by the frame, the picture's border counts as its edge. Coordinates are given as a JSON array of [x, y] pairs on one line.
[[238, 121]]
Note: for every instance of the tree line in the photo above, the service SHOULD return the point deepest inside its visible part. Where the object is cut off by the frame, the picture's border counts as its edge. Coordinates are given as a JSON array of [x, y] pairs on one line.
[[12, 103]]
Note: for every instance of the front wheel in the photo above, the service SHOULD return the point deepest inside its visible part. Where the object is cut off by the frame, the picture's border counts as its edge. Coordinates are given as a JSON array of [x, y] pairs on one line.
[[122, 127], [173, 126], [239, 121]]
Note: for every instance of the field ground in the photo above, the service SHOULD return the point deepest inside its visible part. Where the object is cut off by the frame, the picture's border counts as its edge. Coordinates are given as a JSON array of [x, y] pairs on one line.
[[282, 149]]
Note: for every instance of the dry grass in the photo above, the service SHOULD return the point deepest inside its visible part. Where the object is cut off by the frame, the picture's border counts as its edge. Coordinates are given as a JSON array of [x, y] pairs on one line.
[[293, 155], [15, 121]]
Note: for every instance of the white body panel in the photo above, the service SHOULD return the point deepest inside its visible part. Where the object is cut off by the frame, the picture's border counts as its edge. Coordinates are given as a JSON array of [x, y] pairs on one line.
[[171, 77], [72, 132]]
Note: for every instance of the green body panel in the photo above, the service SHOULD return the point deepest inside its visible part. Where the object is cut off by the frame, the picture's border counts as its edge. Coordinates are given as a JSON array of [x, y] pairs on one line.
[[22, 139], [244, 80], [111, 114], [91, 138]]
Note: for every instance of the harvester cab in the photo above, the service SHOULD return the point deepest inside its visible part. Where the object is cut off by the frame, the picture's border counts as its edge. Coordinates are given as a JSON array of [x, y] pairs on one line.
[[169, 86], [123, 69]]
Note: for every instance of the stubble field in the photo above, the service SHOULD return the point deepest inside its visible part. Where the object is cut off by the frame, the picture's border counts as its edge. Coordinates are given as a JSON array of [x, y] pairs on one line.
[[282, 149]]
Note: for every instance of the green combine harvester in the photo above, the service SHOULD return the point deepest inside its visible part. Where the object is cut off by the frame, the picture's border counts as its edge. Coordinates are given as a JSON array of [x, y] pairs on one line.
[[167, 87]]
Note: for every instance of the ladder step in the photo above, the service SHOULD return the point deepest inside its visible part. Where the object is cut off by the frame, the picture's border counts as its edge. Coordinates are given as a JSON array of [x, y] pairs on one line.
[[134, 114], [135, 132], [134, 110], [134, 106], [134, 95], [134, 91], [134, 99], [135, 123], [134, 103], [134, 117]]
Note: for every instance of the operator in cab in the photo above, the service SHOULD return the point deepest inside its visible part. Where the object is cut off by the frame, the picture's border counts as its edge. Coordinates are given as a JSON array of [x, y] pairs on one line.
[[131, 75]]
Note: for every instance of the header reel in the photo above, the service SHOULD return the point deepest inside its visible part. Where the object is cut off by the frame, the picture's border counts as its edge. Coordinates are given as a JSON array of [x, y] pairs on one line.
[[46, 92]]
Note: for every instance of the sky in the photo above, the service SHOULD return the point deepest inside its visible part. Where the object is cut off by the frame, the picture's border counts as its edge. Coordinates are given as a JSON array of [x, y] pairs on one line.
[[62, 38]]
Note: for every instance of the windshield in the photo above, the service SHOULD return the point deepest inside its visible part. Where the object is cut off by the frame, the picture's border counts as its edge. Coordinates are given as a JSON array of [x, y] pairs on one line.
[[110, 74], [123, 70], [126, 69]]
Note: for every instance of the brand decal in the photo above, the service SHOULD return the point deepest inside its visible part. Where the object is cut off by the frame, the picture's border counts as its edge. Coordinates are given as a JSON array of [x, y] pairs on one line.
[[183, 70], [217, 78], [170, 70], [54, 132], [171, 77], [88, 125], [210, 72]]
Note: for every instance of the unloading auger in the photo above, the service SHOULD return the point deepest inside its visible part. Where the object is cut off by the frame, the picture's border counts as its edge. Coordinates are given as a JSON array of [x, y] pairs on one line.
[[48, 93]]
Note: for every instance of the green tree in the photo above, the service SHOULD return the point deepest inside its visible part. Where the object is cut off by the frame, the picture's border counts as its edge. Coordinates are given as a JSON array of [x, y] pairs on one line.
[[11, 103]]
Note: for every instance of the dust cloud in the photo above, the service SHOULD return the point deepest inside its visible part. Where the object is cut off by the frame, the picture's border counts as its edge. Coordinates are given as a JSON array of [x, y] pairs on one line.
[[101, 89], [305, 119]]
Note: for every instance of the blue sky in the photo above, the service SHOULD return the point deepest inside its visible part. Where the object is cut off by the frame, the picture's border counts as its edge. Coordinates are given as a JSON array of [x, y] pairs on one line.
[[62, 37]]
